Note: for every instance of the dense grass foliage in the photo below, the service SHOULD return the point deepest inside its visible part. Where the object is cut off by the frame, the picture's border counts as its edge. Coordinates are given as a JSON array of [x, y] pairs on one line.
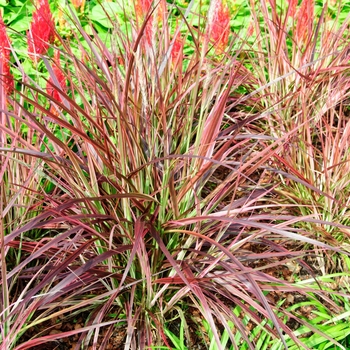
[[174, 175]]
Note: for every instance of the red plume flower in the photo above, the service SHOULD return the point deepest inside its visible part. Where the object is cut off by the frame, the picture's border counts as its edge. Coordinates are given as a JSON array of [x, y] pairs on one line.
[[79, 4], [41, 33], [292, 7], [220, 30], [305, 20], [142, 8], [5, 73], [51, 86], [177, 50], [161, 10]]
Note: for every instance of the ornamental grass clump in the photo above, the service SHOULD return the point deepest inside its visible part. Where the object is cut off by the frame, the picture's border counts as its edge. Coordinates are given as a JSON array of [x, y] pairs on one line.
[[303, 83], [136, 201]]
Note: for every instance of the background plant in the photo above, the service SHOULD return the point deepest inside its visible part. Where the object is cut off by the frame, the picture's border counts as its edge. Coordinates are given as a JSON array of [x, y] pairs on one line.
[[305, 86]]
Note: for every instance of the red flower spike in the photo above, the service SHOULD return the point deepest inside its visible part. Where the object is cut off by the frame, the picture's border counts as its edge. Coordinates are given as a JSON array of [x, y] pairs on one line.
[[51, 86], [41, 33], [250, 30], [177, 50], [142, 8], [149, 32], [292, 7], [161, 10], [220, 30], [6, 75], [305, 20], [78, 4]]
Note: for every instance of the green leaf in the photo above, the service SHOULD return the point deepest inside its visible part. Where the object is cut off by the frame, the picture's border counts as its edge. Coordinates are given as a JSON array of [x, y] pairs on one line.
[[106, 13], [16, 3], [21, 24]]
